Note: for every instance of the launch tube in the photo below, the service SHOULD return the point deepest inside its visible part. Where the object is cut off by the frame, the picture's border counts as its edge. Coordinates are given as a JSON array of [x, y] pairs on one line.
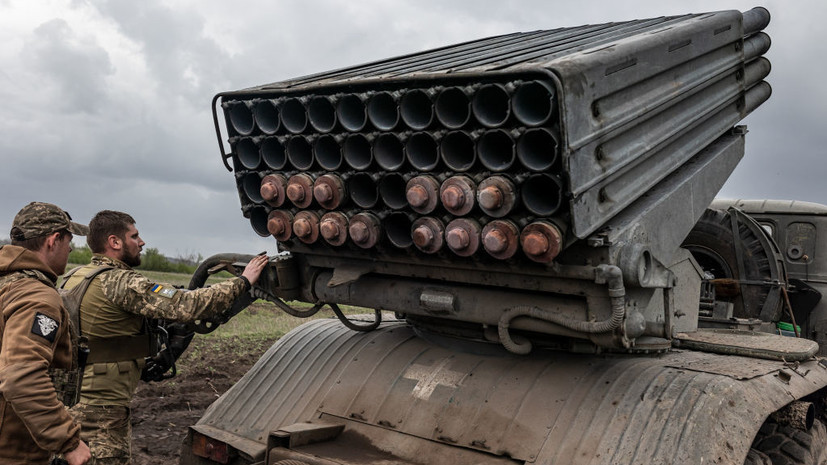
[[427, 234], [392, 190], [388, 152], [495, 149], [457, 150], [491, 105], [542, 194], [422, 193], [280, 224], [267, 115], [422, 151], [364, 229], [755, 19], [251, 184], [501, 239], [457, 194], [329, 191], [273, 153], [328, 152], [321, 112], [300, 153], [453, 107], [383, 110], [463, 236], [300, 190], [274, 189], [248, 152], [258, 220], [496, 196], [294, 115], [306, 226], [537, 149], [363, 189], [541, 241], [533, 103], [417, 108], [241, 117], [358, 152], [333, 228], [398, 229], [351, 112]]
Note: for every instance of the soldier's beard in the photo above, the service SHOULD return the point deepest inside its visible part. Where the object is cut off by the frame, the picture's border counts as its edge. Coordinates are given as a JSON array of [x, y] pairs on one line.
[[131, 260]]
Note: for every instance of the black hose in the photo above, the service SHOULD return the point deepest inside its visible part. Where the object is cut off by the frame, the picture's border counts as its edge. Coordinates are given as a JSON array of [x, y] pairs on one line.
[[377, 320]]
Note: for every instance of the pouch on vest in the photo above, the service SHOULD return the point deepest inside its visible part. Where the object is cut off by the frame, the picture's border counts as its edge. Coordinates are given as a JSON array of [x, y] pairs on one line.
[[67, 382]]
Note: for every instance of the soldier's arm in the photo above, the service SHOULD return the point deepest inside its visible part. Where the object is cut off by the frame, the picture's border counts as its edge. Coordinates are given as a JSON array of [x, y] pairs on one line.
[[33, 328], [136, 294]]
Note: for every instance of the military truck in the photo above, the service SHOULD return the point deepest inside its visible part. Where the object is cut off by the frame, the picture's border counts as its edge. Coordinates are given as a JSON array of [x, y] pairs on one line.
[[767, 250], [520, 212]]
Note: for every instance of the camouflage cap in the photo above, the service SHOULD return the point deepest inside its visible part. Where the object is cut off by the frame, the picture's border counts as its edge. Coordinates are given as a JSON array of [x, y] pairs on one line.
[[40, 219]]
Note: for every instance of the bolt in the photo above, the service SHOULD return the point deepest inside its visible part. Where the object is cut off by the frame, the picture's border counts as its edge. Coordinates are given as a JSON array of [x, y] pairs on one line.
[[359, 232], [417, 196], [458, 239], [423, 236], [302, 227], [491, 198], [295, 192], [495, 241], [330, 230], [453, 197], [269, 191], [275, 226], [323, 193], [535, 243]]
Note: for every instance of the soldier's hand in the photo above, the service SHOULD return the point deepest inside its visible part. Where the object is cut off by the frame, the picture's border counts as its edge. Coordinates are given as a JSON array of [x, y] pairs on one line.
[[253, 269], [79, 455]]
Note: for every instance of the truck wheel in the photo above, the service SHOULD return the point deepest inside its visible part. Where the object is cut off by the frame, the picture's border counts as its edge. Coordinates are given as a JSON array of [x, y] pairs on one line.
[[712, 244], [755, 457], [790, 446]]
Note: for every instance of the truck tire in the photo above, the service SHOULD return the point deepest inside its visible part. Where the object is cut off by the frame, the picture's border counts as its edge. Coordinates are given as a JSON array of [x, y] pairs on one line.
[[756, 457], [712, 244], [786, 445]]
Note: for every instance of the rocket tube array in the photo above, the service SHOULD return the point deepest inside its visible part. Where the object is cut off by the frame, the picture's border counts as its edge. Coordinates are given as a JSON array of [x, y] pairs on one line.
[[466, 169]]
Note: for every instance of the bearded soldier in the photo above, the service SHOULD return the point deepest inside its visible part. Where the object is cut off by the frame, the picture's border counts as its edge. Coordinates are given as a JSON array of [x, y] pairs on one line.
[[35, 337], [113, 316]]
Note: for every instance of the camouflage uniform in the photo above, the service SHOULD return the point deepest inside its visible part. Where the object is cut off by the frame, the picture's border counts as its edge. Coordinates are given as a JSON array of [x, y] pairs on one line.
[[113, 309]]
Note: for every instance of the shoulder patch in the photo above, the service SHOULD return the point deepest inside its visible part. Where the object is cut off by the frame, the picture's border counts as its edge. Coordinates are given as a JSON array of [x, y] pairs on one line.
[[163, 291], [45, 327]]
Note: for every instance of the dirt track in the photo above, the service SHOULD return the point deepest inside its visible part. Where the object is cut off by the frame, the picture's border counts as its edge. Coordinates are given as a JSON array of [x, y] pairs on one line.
[[162, 411]]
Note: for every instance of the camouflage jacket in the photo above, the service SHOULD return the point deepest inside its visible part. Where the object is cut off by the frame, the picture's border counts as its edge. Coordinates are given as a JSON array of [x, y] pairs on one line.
[[34, 337], [116, 304]]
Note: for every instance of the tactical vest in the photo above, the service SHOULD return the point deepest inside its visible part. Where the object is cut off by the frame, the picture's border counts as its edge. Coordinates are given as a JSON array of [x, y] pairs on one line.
[[66, 381], [106, 349]]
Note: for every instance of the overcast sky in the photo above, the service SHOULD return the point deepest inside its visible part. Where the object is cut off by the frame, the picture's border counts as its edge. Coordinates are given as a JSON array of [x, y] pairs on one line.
[[106, 104]]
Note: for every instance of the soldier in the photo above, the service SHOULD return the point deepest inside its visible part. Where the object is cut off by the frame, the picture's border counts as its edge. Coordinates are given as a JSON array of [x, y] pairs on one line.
[[34, 330], [114, 316]]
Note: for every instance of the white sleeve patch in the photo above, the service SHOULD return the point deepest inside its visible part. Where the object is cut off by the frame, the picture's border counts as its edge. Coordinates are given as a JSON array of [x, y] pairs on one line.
[[163, 291]]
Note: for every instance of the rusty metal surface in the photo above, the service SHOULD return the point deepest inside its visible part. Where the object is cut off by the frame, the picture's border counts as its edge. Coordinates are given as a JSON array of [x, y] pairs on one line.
[[544, 408]]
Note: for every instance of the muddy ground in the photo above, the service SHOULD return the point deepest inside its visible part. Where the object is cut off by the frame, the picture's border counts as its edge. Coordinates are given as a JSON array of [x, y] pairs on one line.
[[162, 411]]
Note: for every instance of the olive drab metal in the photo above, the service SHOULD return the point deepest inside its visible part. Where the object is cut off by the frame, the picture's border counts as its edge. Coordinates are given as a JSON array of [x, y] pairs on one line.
[[518, 203]]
